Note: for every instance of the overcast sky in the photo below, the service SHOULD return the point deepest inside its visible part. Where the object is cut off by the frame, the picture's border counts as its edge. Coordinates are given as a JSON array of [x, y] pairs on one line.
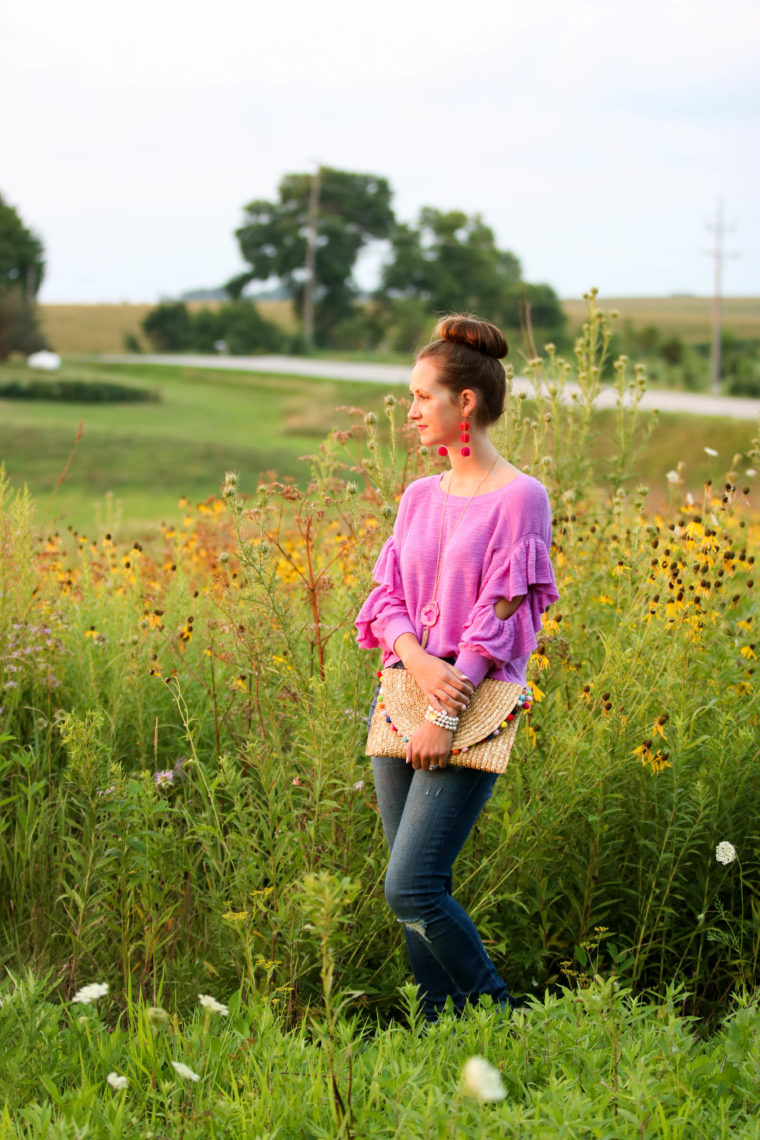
[[595, 137]]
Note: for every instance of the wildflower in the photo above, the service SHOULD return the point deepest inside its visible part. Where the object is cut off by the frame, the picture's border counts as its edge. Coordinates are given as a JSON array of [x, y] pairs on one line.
[[235, 916], [725, 853], [211, 1003], [482, 1080], [370, 418], [750, 472], [164, 777], [157, 1018], [230, 485], [351, 488], [117, 1082], [359, 786], [184, 1071], [88, 995], [673, 477], [710, 451], [178, 771], [389, 401]]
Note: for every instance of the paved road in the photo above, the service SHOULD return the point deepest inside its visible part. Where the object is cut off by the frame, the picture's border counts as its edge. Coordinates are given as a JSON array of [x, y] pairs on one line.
[[737, 407]]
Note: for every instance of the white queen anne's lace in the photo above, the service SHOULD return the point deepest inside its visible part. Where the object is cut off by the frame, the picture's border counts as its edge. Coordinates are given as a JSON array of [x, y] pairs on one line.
[[211, 1003], [185, 1071], [725, 852], [481, 1079], [88, 995]]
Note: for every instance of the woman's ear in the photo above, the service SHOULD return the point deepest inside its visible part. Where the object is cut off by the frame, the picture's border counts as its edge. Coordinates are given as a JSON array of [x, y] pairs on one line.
[[468, 402]]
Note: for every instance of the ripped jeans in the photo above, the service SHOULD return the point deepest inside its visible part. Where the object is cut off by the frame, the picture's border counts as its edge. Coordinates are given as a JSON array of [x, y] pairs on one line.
[[427, 817]]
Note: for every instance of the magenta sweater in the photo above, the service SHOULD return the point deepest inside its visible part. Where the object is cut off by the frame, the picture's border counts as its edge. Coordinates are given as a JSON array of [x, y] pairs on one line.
[[500, 549]]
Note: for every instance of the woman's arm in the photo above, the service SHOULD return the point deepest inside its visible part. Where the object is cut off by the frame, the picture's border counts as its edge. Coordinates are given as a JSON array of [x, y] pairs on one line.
[[446, 688]]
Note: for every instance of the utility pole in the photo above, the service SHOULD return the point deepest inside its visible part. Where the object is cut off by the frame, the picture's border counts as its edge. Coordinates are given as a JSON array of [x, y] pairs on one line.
[[311, 252], [718, 254]]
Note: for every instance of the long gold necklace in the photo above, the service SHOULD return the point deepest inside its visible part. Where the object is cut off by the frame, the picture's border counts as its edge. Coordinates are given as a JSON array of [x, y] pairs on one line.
[[431, 611]]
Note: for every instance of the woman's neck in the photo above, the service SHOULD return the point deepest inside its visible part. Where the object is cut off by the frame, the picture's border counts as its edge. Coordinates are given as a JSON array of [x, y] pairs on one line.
[[467, 471]]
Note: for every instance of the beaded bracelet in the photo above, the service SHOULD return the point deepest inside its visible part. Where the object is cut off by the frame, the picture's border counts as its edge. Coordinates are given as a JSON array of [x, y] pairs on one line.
[[442, 719]]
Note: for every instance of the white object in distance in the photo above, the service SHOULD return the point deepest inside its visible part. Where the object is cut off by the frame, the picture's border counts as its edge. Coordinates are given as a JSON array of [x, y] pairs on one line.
[[44, 360]]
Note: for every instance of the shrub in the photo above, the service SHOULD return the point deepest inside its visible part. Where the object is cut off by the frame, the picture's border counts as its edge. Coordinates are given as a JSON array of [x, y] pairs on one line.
[[77, 391], [168, 327]]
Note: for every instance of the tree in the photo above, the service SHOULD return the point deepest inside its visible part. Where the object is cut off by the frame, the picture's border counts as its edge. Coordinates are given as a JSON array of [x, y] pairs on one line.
[[22, 260], [352, 210], [22, 267], [450, 261]]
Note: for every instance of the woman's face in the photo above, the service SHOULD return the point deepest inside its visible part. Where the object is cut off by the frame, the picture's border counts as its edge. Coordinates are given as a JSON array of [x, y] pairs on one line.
[[434, 410]]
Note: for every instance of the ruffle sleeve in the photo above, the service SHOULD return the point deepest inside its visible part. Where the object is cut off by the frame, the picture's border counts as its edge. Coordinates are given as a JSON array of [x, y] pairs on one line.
[[522, 569], [384, 616]]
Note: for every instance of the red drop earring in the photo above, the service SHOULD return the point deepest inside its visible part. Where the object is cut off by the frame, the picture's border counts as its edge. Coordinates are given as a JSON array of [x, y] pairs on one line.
[[443, 450], [464, 428]]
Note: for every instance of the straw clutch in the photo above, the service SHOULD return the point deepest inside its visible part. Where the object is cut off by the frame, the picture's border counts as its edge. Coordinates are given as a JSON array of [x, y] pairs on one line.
[[487, 727]]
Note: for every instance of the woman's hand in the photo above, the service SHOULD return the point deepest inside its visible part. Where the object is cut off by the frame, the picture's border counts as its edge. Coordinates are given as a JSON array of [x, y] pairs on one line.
[[446, 688], [429, 746]]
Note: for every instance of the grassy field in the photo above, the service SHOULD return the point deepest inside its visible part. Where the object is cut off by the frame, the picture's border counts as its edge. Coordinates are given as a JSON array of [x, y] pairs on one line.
[[75, 329], [137, 460]]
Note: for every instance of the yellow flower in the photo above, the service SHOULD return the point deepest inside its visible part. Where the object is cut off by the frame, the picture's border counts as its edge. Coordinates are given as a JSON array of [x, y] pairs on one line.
[[604, 600], [748, 651]]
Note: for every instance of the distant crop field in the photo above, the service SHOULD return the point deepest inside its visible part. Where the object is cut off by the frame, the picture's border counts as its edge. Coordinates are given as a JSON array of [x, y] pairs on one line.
[[75, 329], [687, 317]]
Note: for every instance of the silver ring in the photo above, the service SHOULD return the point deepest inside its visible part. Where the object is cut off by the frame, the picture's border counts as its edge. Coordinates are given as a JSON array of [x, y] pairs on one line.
[[432, 767]]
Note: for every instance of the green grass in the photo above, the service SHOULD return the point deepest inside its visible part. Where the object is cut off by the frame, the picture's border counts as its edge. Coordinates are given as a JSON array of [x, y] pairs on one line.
[[205, 423], [144, 457]]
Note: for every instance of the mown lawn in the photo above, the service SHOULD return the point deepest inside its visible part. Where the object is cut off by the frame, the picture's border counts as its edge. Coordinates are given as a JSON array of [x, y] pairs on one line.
[[146, 456]]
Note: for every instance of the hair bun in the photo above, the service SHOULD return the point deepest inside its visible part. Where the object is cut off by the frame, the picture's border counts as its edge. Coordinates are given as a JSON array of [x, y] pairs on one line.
[[471, 331]]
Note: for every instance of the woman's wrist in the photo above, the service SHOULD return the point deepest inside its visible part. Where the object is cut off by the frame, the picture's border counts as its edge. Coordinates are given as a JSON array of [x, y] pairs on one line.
[[409, 650], [442, 719]]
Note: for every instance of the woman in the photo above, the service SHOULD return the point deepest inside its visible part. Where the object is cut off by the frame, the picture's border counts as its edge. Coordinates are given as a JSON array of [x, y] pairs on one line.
[[462, 584]]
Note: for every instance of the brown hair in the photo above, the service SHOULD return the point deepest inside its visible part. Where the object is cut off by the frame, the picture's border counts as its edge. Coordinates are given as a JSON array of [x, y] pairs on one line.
[[467, 352]]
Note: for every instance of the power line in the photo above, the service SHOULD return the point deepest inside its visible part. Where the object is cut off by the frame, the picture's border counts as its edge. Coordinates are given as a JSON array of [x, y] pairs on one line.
[[718, 254]]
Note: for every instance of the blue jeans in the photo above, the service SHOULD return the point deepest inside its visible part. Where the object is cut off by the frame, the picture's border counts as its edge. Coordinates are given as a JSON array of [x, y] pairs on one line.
[[427, 817]]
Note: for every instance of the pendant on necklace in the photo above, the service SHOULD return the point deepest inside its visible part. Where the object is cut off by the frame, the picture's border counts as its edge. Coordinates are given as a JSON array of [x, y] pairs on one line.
[[429, 614]]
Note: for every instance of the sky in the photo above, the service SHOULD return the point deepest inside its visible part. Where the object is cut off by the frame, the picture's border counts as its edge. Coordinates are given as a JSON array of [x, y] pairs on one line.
[[595, 137]]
